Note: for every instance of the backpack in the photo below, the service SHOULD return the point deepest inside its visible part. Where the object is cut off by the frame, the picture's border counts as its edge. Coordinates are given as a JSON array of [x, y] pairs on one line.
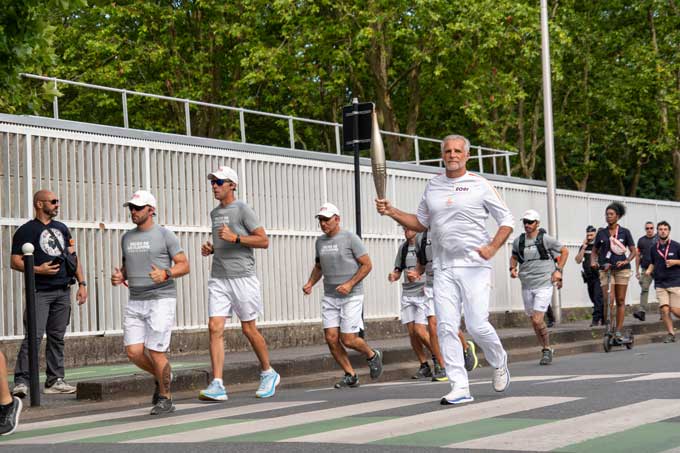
[[420, 252], [544, 253]]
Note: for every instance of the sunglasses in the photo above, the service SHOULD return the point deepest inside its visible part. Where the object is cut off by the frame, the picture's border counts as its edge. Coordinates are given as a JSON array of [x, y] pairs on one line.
[[55, 201], [136, 208], [649, 228], [219, 182], [528, 222]]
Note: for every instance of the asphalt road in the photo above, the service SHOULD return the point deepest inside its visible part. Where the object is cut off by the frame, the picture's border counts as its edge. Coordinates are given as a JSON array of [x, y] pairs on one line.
[[624, 401]]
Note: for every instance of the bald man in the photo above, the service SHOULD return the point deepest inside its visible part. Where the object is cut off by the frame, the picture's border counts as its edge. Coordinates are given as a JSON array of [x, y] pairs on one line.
[[56, 269]]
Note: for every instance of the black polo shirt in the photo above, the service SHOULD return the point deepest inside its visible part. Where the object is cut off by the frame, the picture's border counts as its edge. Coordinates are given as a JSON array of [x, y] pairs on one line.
[[643, 245], [35, 232], [665, 277]]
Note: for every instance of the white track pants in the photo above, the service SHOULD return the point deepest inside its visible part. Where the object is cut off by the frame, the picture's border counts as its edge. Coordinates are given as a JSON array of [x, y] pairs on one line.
[[458, 290]]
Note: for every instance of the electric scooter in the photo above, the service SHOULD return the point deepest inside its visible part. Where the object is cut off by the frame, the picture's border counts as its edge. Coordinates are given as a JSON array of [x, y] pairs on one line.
[[610, 339]]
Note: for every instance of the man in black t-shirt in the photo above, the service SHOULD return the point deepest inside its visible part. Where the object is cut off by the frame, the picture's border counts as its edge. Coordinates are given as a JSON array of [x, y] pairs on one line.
[[644, 245], [52, 242], [591, 276]]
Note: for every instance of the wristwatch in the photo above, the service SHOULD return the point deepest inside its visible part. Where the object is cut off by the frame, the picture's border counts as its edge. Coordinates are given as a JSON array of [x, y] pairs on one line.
[[168, 274], [83, 283], [559, 269]]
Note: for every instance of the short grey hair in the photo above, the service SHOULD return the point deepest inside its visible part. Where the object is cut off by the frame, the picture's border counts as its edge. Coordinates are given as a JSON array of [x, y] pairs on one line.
[[466, 142]]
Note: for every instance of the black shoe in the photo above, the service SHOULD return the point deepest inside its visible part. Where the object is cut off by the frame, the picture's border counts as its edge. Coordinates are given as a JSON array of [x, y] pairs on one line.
[[156, 394], [424, 372], [347, 381], [163, 406], [9, 417], [375, 364], [640, 315], [550, 324], [670, 338]]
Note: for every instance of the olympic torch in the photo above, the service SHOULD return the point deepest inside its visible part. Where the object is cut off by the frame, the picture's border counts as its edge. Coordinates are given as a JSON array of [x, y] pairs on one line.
[[378, 157]]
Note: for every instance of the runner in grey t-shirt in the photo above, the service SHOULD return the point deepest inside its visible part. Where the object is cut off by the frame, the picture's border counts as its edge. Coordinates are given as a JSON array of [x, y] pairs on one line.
[[233, 287], [533, 252], [152, 259], [343, 262]]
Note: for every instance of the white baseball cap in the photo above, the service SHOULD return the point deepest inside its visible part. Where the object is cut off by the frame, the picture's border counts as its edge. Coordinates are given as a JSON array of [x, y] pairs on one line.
[[327, 210], [141, 198], [531, 214], [224, 172]]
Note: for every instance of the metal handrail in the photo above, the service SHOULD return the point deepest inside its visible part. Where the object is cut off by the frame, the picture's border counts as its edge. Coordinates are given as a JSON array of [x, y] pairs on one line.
[[242, 111]]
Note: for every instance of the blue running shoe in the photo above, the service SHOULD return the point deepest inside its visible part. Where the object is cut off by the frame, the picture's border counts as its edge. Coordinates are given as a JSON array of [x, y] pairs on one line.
[[268, 382], [214, 392]]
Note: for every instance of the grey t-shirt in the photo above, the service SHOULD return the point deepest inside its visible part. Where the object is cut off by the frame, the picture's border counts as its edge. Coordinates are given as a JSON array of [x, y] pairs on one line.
[[534, 272], [141, 249], [233, 260], [410, 261], [337, 257]]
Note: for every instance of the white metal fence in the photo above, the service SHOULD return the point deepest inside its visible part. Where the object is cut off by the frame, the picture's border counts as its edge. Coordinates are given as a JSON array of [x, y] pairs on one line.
[[95, 169]]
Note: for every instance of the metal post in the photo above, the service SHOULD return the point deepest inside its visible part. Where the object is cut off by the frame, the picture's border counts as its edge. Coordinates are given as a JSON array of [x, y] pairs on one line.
[[415, 142], [549, 143], [55, 102], [33, 364], [338, 149], [357, 169], [291, 132], [242, 125], [187, 118], [479, 159], [507, 165], [125, 110]]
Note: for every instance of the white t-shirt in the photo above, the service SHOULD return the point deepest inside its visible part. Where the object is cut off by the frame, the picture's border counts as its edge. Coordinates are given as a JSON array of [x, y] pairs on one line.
[[455, 210]]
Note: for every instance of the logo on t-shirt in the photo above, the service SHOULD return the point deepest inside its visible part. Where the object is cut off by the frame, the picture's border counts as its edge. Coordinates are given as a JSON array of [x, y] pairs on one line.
[[220, 220], [328, 249], [48, 244], [138, 247], [462, 189]]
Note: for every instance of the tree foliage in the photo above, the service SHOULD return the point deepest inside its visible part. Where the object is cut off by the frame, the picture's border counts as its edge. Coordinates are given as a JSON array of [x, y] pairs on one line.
[[432, 67]]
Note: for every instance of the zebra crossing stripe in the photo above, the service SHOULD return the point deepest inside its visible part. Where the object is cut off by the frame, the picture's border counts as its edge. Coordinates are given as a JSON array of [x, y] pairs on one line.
[[59, 422], [433, 420], [561, 433], [154, 422], [589, 377], [285, 421], [653, 377]]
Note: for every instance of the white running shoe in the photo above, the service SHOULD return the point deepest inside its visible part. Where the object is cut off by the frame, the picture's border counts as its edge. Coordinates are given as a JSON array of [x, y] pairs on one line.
[[60, 386], [501, 377], [457, 396]]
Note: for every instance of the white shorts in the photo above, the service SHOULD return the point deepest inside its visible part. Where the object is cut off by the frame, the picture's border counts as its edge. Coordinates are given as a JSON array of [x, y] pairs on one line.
[[537, 299], [235, 296], [429, 300], [343, 312], [415, 309], [149, 322]]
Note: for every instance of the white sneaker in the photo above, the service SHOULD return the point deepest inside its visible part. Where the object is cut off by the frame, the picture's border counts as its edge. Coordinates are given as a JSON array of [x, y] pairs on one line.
[[60, 386], [501, 377], [457, 396], [20, 390]]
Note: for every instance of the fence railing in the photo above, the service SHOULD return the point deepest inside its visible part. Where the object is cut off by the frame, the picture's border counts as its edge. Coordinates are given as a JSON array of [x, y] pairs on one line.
[[417, 140]]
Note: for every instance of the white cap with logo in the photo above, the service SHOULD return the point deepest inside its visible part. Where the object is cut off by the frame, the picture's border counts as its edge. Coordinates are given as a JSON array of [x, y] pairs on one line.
[[224, 173], [141, 198], [531, 215], [327, 210]]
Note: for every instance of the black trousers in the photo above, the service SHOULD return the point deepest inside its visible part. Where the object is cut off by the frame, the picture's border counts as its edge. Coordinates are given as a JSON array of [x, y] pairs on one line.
[[596, 297], [53, 313]]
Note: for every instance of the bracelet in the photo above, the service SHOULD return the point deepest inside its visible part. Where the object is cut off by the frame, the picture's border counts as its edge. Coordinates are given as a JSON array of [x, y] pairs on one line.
[[83, 283], [238, 239]]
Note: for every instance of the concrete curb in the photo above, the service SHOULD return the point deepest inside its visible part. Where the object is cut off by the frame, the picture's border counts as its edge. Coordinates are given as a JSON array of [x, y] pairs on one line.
[[321, 369]]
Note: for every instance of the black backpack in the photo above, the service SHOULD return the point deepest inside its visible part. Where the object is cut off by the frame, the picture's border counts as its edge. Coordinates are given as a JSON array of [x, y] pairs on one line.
[[544, 253], [422, 256]]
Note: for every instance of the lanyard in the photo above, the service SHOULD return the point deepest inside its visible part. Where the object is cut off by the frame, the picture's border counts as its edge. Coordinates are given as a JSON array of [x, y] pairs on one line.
[[658, 249]]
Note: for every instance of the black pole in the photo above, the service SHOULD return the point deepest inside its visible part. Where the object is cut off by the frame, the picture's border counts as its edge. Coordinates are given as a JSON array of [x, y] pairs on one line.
[[33, 365], [357, 171]]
